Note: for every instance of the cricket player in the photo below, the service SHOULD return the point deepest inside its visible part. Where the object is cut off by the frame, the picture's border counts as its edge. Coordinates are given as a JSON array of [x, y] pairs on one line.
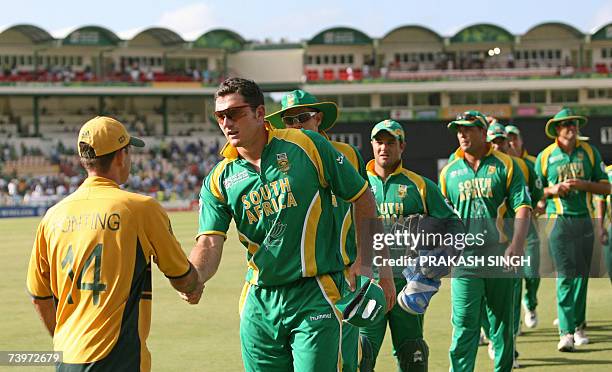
[[532, 277], [277, 185], [302, 110], [90, 269], [497, 135], [569, 169], [401, 193], [480, 182]]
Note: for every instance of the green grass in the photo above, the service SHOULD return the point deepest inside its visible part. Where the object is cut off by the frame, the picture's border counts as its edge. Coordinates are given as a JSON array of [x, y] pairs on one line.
[[205, 337]]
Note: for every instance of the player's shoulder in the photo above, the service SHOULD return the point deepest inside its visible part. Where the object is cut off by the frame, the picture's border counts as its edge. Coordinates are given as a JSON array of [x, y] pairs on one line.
[[530, 158], [220, 167], [452, 164], [349, 151], [307, 141], [296, 135], [135, 201], [519, 161], [548, 150], [344, 148], [418, 179]]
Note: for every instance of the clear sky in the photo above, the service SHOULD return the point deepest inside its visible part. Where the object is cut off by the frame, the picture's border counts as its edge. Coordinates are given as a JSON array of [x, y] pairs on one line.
[[296, 20]]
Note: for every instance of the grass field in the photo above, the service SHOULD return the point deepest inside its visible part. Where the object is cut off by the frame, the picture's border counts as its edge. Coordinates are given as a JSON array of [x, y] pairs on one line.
[[205, 337]]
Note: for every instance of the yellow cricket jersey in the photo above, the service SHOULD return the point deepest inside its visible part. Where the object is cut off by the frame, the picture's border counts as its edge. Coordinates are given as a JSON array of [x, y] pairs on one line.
[[92, 254]]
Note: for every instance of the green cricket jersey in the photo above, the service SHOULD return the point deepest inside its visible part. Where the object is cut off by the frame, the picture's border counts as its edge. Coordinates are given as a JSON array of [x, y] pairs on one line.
[[284, 213], [533, 182], [404, 193], [487, 193], [553, 166], [342, 209], [526, 164]]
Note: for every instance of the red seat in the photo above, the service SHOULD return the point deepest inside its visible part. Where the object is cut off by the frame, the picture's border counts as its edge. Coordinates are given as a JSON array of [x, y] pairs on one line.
[[357, 74], [328, 74], [312, 75], [343, 74]]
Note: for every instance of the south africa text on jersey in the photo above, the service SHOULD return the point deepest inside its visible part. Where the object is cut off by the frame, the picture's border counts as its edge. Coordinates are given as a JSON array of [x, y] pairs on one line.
[[268, 199], [475, 188]]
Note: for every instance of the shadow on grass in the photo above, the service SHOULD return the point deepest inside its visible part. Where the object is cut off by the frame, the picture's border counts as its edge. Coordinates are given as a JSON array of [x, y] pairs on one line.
[[560, 361]]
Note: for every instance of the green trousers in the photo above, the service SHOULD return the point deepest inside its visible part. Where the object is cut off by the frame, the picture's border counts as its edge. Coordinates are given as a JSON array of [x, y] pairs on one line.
[[532, 282], [293, 327], [351, 348], [571, 247], [532, 275], [409, 348], [469, 296]]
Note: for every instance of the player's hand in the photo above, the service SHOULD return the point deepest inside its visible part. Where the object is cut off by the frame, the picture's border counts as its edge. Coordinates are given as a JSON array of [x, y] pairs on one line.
[[194, 296], [355, 271], [513, 250], [388, 287], [576, 184], [561, 189], [603, 236], [540, 208]]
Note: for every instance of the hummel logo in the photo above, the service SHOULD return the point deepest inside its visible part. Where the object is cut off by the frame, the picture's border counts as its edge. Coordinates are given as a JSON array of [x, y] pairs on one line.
[[340, 159], [320, 316]]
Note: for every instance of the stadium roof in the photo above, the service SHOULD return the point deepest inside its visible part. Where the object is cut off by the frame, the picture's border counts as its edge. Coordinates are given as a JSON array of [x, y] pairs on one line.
[[563, 26], [91, 35], [416, 28], [34, 33], [220, 38], [604, 33], [157, 35], [482, 33], [340, 36]]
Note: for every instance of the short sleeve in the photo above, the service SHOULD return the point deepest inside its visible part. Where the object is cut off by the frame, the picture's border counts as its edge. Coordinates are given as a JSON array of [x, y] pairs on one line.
[[214, 215], [167, 251], [540, 177], [535, 185], [518, 192], [38, 281], [437, 205], [343, 179], [599, 168]]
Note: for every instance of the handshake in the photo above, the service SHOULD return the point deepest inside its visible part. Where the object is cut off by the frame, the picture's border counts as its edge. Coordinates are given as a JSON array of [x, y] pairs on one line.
[[193, 297], [190, 286]]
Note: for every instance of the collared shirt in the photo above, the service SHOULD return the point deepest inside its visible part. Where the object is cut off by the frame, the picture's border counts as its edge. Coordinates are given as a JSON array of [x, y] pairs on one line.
[[93, 253], [404, 193], [284, 213], [554, 166], [486, 193]]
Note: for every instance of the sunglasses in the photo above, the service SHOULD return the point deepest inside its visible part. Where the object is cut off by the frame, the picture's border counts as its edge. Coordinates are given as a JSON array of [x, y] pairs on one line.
[[299, 118], [470, 117], [232, 113], [568, 123]]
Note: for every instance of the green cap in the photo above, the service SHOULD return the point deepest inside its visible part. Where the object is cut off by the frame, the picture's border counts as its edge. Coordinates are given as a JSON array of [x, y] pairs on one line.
[[300, 98], [563, 115], [471, 118], [392, 127], [368, 305], [513, 129], [496, 130]]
